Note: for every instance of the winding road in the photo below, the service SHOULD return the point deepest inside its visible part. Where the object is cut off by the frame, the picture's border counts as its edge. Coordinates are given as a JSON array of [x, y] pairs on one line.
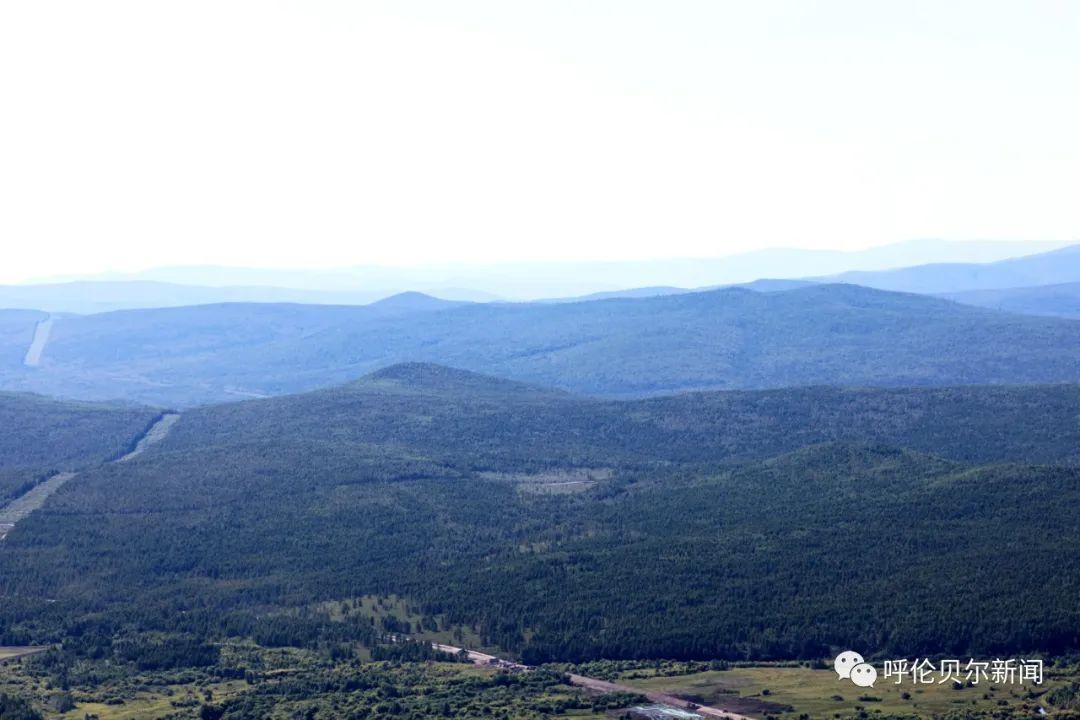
[[602, 686]]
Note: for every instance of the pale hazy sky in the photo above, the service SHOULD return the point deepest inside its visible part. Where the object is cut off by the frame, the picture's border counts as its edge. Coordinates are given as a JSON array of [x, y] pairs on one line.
[[318, 133]]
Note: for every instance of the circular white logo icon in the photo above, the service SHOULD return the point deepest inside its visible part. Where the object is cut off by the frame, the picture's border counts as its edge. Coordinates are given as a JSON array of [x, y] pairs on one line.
[[845, 661], [864, 675]]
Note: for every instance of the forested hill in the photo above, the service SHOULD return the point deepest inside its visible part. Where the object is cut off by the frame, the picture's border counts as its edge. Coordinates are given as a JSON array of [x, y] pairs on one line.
[[723, 339], [39, 436], [1061, 300], [471, 421], [39, 431], [1048, 268], [16, 333], [751, 524]]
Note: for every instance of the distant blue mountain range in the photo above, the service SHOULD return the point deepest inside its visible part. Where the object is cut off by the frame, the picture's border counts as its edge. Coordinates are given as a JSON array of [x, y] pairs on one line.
[[732, 338], [178, 286]]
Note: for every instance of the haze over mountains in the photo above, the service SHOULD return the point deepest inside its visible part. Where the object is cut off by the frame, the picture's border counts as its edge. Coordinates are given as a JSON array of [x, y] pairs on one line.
[[1055, 300], [169, 287], [1049, 268], [643, 341], [722, 339], [88, 297]]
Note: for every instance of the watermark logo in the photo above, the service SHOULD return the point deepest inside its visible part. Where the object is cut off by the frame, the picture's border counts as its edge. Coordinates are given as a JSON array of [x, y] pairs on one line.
[[864, 675], [1012, 671], [845, 661], [851, 665]]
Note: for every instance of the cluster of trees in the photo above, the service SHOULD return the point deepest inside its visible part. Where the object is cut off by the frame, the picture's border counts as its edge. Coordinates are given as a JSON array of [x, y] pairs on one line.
[[40, 433], [612, 670], [409, 651], [833, 545], [41, 437], [301, 684], [165, 653], [425, 421], [411, 692], [15, 708], [15, 482]]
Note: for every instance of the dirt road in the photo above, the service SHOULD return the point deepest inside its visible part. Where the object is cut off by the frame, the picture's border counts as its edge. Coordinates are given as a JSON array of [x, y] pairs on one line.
[[602, 686]]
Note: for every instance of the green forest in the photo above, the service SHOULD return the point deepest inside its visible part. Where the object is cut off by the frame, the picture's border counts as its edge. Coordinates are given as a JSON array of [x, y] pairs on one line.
[[741, 526]]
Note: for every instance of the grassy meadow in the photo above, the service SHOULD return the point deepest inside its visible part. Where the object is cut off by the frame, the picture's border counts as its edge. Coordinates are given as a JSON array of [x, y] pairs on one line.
[[818, 693]]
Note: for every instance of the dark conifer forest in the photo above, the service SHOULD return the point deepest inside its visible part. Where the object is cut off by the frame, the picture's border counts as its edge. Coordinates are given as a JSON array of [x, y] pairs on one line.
[[752, 525]]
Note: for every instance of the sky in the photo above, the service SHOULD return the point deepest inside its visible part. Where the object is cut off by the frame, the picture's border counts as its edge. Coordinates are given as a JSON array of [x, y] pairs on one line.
[[330, 133]]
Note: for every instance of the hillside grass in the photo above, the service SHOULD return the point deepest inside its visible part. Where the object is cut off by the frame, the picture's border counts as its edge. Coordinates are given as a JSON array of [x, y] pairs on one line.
[[821, 694]]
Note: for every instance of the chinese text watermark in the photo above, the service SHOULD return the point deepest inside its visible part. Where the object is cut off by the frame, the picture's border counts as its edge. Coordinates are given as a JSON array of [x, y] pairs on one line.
[[924, 671]]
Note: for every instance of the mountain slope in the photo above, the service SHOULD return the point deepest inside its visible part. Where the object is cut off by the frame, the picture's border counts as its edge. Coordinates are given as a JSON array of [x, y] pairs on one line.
[[761, 285], [458, 417], [41, 436], [452, 490], [1056, 266], [16, 333], [730, 338], [407, 302], [39, 431], [1053, 300]]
